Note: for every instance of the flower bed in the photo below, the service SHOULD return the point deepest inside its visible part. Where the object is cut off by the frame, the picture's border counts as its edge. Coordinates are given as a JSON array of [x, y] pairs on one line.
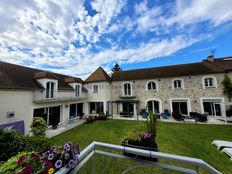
[[51, 161]]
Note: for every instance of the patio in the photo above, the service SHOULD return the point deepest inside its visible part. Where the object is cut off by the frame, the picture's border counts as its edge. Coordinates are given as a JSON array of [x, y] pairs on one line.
[[211, 120]]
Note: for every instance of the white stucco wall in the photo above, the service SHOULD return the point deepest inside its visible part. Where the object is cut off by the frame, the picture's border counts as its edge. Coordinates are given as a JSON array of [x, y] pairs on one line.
[[22, 104], [103, 94], [19, 102]]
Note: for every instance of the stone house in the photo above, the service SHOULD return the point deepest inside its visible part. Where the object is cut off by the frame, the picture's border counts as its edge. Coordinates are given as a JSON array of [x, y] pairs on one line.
[[27, 92]]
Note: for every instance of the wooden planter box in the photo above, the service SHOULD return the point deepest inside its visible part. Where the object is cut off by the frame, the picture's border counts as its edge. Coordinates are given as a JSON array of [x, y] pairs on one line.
[[155, 149]]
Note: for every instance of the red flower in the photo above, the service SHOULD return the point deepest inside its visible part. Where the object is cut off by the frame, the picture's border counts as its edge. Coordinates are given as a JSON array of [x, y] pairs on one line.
[[36, 156], [20, 161], [28, 169]]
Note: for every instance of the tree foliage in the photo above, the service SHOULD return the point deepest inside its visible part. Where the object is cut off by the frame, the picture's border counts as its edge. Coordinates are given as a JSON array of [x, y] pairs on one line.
[[116, 68], [227, 86]]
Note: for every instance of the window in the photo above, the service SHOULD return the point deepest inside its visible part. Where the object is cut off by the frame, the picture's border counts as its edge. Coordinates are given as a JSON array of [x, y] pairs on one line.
[[95, 88], [177, 84], [75, 110], [77, 90], [51, 115], [151, 86], [180, 107], [96, 107], [212, 107], [50, 89], [127, 89], [209, 82]]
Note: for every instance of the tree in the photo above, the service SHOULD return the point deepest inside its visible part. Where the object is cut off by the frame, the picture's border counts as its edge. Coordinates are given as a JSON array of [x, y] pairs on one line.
[[227, 87], [116, 68]]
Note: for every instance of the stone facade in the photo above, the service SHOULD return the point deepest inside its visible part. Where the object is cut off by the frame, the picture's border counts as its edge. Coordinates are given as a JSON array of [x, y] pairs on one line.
[[193, 92]]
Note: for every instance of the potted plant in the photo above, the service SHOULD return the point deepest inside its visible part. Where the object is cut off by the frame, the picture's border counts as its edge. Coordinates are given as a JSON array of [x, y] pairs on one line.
[[58, 157], [54, 122], [143, 140]]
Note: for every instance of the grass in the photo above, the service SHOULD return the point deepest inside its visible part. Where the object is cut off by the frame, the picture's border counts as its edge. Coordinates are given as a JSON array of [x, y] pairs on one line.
[[193, 140]]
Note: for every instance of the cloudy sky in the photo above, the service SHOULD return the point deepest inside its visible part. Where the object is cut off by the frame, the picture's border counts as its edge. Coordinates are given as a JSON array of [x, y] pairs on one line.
[[75, 37]]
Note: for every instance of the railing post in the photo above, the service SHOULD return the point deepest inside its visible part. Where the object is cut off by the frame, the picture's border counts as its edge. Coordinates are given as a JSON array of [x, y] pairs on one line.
[[197, 169], [94, 162]]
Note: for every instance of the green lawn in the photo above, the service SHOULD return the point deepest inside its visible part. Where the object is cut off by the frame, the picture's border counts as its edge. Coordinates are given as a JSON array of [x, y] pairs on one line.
[[193, 140]]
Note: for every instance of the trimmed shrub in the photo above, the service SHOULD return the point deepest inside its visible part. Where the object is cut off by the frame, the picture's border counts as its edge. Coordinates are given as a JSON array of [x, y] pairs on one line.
[[11, 142], [38, 144], [38, 126]]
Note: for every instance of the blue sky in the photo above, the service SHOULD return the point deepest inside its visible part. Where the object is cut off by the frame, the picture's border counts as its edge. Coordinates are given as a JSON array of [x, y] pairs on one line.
[[75, 37]]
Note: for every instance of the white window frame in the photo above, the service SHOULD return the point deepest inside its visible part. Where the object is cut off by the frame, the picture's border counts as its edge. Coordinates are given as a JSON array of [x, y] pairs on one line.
[[77, 92], [214, 82], [156, 85], [212, 98], [182, 84], [95, 91], [131, 89], [50, 91], [155, 99], [181, 99]]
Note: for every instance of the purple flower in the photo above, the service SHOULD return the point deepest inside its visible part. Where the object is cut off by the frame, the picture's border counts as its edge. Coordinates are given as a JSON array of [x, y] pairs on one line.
[[71, 164], [53, 148], [50, 156], [66, 156], [46, 154], [70, 144], [47, 164], [58, 164], [67, 147], [56, 151]]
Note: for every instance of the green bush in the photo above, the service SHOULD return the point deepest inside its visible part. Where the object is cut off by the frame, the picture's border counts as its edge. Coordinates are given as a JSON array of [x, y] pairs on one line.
[[38, 144], [38, 126], [11, 142]]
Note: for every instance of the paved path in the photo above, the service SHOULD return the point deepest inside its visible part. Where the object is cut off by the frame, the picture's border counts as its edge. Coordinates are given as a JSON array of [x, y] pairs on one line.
[[53, 132]]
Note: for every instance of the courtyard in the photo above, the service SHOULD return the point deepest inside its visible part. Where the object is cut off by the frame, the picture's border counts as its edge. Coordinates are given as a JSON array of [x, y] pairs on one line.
[[192, 140]]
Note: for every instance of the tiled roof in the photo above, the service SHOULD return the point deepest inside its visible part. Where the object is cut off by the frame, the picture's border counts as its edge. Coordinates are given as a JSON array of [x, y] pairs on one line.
[[19, 77], [166, 71], [98, 76], [224, 63]]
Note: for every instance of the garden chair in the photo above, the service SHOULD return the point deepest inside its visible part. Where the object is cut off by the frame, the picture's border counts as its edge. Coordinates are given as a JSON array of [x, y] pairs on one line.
[[228, 151], [222, 144]]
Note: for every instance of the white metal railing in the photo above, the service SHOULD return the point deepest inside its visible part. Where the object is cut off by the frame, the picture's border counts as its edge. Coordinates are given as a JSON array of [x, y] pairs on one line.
[[91, 151], [45, 96]]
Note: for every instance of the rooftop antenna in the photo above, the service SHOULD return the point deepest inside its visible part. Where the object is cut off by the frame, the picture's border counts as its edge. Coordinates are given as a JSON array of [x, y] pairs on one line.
[[213, 52]]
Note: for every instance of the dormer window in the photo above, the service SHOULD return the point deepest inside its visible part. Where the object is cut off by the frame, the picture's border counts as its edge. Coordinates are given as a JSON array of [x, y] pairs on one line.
[[77, 90], [95, 88], [178, 84], [151, 86], [50, 86], [209, 82], [127, 89]]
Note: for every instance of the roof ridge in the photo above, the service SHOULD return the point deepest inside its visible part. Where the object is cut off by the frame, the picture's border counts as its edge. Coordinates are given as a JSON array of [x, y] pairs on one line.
[[94, 77]]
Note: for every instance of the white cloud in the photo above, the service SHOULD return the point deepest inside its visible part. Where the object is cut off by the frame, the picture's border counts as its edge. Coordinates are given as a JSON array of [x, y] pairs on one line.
[[48, 29], [192, 12]]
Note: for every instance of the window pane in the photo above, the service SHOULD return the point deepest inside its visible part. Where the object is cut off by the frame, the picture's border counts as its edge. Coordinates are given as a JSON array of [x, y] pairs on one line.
[[175, 107], [92, 108], [183, 108], [127, 89]]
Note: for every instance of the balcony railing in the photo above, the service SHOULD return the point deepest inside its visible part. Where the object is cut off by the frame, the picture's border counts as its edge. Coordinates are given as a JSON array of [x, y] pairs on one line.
[[110, 159], [51, 96]]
